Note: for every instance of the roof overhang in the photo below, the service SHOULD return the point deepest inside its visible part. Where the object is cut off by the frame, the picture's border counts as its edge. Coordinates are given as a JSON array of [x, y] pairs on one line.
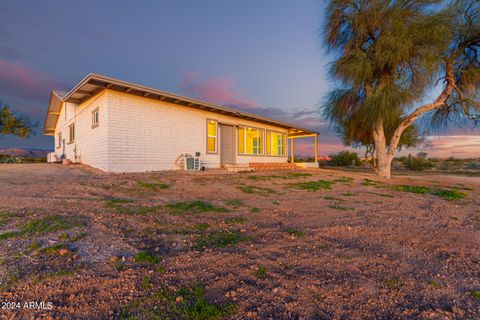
[[93, 84], [53, 113]]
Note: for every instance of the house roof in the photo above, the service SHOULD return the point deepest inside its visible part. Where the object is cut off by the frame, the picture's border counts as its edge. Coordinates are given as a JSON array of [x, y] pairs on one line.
[[93, 84]]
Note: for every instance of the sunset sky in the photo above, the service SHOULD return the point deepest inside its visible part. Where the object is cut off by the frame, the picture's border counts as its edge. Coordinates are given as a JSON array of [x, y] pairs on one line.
[[265, 57]]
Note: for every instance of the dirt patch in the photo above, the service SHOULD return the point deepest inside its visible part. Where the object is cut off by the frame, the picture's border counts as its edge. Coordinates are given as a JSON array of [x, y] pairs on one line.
[[316, 244]]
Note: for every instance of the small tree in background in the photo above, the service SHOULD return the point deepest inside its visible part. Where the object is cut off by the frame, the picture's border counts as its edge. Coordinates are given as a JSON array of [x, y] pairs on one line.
[[12, 124], [390, 54], [345, 159], [418, 163]]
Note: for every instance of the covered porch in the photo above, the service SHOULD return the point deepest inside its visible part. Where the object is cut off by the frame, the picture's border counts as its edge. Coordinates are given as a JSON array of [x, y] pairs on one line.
[[294, 136], [289, 148]]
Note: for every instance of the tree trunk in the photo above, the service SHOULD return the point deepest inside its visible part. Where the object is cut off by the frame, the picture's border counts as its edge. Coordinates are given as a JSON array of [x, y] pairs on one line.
[[385, 155], [385, 167], [384, 160]]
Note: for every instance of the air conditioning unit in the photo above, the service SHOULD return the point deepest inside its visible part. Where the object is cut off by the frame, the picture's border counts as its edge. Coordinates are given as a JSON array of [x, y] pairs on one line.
[[192, 163]]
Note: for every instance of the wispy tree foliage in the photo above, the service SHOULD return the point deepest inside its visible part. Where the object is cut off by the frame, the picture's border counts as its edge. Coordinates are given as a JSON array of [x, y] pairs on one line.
[[12, 124], [389, 55]]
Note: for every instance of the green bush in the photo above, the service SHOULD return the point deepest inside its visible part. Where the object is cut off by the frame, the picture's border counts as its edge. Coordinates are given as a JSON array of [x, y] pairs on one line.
[[4, 158], [188, 303], [43, 226], [33, 160], [192, 207], [345, 159], [219, 239], [413, 189], [473, 166], [153, 186], [313, 185], [453, 159], [295, 232], [261, 273], [144, 256], [7, 159], [450, 195], [417, 164]]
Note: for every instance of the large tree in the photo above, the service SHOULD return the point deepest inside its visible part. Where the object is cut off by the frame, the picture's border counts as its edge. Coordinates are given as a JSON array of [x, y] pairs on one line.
[[391, 55], [13, 124]]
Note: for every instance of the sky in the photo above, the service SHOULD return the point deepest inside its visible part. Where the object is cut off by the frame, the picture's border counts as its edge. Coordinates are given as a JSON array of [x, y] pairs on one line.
[[266, 57]]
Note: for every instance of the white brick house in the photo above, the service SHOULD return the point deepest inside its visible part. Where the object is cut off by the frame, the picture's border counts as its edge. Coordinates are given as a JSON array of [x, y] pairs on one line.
[[118, 126]]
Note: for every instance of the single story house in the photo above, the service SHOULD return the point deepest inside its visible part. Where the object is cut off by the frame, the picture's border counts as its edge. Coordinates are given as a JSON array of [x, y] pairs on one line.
[[117, 126]]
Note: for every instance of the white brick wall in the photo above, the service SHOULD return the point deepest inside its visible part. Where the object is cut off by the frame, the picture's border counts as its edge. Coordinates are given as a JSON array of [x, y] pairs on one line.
[[141, 134], [91, 143]]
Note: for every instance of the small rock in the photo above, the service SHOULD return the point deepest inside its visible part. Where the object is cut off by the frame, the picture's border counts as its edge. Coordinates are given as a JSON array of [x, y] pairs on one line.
[[230, 294], [458, 311], [157, 249], [63, 252]]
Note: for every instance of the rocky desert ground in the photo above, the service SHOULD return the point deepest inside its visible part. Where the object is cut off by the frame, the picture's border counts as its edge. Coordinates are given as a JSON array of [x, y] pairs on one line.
[[308, 244]]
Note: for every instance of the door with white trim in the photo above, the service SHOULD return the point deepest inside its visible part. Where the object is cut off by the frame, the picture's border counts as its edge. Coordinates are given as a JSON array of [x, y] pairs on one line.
[[227, 144]]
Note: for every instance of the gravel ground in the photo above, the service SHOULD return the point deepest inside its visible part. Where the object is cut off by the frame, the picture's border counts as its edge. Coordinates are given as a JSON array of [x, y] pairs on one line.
[[309, 244]]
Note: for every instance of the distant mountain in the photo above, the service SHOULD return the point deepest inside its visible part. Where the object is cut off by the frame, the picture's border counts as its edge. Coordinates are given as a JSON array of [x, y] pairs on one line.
[[25, 152]]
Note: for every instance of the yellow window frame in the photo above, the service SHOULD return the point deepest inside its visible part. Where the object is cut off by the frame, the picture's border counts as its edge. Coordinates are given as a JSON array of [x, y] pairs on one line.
[[212, 137], [259, 146]]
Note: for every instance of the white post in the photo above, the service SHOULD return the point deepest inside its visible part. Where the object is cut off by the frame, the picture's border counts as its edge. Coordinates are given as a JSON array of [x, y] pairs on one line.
[[292, 151]]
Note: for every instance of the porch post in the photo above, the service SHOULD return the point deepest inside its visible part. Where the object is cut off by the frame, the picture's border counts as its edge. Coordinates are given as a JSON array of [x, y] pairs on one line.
[[316, 148], [292, 151]]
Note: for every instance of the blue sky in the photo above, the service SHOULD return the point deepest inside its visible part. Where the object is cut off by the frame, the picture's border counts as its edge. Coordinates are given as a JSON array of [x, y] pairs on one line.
[[262, 56]]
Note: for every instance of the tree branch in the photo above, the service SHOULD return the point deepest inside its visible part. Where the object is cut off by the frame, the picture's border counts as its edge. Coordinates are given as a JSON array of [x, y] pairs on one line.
[[440, 101]]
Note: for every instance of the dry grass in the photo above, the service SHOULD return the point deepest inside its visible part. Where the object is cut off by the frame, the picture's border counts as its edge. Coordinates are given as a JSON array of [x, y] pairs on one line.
[[280, 245]]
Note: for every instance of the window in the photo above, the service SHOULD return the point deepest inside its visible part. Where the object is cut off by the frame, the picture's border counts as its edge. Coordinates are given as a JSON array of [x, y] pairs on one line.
[[250, 140], [241, 140], [276, 143], [95, 118], [211, 136], [72, 133], [59, 142]]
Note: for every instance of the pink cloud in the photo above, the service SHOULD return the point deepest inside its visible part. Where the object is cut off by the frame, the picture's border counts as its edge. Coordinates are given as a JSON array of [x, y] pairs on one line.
[[223, 91], [460, 146], [215, 90], [20, 81], [444, 146]]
